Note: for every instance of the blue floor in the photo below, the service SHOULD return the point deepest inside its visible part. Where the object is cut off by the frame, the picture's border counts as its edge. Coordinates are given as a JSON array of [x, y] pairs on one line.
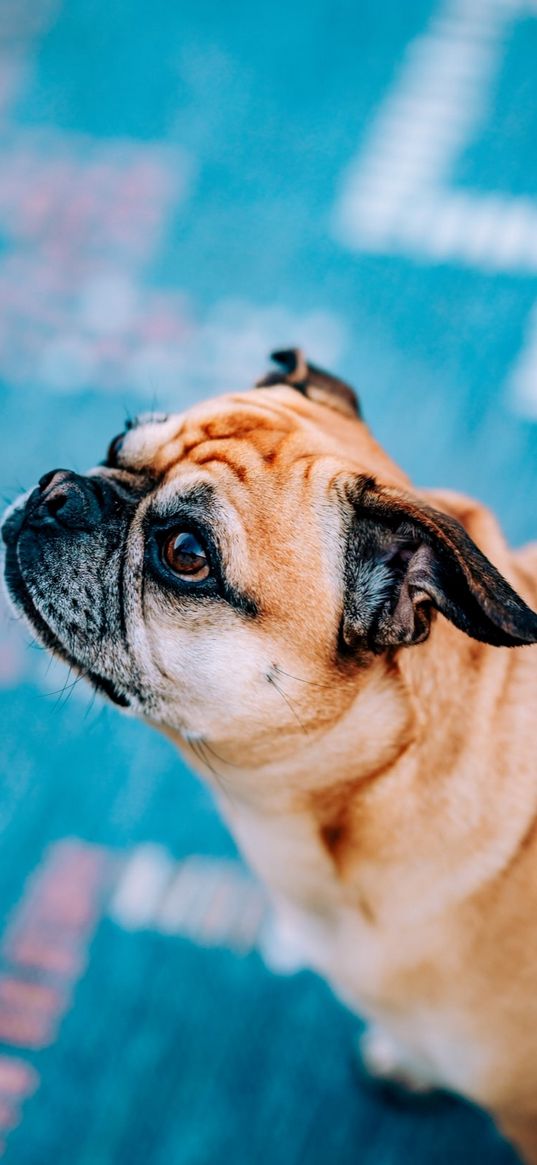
[[182, 188]]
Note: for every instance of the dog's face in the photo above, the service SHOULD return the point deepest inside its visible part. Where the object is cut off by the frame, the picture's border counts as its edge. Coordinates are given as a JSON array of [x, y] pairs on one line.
[[259, 544]]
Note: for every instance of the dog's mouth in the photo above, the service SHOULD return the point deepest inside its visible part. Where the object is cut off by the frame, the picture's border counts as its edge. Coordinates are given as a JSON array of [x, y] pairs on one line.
[[23, 602]]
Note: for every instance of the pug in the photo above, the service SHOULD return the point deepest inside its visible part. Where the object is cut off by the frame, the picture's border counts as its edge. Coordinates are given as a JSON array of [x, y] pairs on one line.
[[347, 661]]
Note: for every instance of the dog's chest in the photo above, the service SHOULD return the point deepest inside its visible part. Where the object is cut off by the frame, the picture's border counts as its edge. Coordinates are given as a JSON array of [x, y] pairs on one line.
[[387, 969], [319, 922]]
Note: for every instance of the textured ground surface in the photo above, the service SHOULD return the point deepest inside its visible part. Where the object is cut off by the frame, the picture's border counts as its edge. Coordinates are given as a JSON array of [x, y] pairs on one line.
[[182, 187]]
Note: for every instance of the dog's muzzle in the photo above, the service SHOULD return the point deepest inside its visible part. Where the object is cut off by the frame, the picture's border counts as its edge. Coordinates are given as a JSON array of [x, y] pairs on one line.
[[62, 546]]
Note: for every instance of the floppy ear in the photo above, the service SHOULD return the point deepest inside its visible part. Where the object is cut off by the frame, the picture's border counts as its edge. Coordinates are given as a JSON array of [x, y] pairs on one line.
[[311, 382], [405, 559]]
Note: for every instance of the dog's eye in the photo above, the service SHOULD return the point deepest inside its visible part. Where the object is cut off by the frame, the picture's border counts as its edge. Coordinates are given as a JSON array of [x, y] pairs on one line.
[[184, 554]]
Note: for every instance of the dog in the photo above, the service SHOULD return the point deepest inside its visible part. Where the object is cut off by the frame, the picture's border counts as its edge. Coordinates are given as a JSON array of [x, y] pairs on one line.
[[347, 661]]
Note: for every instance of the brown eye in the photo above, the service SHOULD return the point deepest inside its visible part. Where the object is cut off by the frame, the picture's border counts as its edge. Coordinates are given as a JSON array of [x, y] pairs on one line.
[[185, 556]]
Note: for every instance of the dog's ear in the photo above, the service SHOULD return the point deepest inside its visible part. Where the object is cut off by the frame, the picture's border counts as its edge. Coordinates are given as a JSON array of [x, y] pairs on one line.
[[405, 559], [311, 382]]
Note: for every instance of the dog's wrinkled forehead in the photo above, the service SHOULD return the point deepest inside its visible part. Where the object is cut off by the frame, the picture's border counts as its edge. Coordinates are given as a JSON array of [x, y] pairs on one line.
[[159, 442]]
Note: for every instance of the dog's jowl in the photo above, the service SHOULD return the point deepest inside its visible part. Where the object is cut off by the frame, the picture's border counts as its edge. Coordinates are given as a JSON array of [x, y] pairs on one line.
[[348, 661]]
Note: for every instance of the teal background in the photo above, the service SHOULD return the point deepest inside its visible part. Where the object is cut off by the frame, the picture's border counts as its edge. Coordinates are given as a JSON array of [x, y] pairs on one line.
[[168, 178]]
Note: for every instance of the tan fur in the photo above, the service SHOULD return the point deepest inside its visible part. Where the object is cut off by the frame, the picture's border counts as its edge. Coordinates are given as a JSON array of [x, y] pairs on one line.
[[391, 808], [398, 829], [402, 836]]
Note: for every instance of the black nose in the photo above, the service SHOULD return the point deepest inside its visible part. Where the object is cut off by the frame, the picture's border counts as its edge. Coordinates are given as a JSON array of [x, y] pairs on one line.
[[66, 500]]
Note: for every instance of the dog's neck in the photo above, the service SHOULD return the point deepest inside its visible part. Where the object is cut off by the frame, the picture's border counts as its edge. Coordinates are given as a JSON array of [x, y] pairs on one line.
[[362, 810]]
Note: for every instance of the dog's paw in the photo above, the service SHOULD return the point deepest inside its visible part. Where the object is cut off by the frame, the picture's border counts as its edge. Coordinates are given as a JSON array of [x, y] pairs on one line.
[[387, 1063]]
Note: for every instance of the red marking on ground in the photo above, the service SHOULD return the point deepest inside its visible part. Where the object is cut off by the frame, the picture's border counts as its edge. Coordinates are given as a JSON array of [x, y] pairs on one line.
[[17, 1078], [33, 1031], [48, 935], [9, 1115], [16, 992], [37, 953]]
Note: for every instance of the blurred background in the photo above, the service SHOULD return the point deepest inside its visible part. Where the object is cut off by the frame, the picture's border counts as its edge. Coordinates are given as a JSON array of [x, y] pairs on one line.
[[184, 186]]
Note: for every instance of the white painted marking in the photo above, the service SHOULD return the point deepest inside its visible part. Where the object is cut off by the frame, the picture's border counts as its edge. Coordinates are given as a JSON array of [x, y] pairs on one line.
[[396, 195], [141, 887], [211, 901], [522, 385]]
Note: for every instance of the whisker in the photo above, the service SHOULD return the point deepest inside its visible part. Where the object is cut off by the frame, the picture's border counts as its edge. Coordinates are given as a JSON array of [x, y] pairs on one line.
[[61, 691], [50, 661], [299, 679], [91, 702], [98, 714], [203, 751], [33, 645], [206, 762], [128, 418], [220, 778], [155, 403], [198, 746], [292, 709], [217, 756], [194, 747], [67, 687]]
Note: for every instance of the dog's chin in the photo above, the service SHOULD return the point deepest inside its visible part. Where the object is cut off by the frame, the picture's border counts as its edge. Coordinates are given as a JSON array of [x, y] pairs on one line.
[[22, 601]]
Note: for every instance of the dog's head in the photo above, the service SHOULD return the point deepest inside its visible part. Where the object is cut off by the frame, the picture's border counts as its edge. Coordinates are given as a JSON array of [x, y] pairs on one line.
[[259, 544]]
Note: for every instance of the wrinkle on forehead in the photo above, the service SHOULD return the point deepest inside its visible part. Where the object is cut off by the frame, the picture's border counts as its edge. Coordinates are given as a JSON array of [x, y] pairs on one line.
[[248, 432], [159, 446]]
